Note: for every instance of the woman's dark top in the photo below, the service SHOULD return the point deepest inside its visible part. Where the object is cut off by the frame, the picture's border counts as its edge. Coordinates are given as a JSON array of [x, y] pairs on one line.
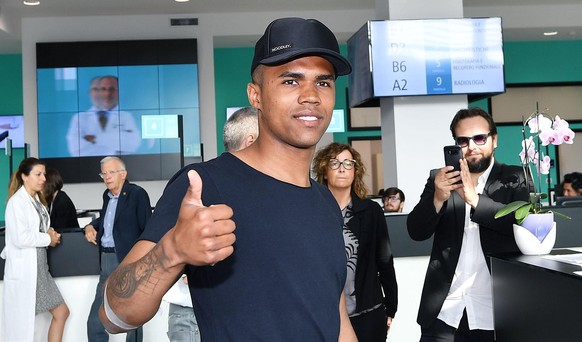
[[63, 212]]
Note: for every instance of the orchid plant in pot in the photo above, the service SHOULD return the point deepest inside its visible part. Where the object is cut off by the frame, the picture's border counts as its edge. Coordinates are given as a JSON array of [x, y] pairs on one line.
[[538, 222]]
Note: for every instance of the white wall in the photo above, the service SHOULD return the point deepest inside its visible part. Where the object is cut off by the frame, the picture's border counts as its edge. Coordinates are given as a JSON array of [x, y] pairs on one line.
[[413, 136], [410, 273]]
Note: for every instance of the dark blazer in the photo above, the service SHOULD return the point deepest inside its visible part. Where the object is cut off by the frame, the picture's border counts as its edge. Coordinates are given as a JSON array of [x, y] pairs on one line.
[[375, 267], [132, 213], [504, 185], [63, 212]]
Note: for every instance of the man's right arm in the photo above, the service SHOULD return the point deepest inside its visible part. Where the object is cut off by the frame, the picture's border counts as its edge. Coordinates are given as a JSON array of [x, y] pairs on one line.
[[202, 236], [135, 289], [424, 218]]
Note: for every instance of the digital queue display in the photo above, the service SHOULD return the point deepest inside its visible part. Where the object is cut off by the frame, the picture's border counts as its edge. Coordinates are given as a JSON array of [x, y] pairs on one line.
[[426, 57], [440, 56]]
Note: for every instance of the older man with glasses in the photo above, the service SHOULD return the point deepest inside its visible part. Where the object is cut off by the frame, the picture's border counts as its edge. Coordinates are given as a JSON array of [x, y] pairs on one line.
[[123, 217], [456, 302]]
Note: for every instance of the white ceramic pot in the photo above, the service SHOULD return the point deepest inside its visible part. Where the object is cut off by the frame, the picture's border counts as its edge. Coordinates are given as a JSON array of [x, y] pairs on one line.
[[529, 244]]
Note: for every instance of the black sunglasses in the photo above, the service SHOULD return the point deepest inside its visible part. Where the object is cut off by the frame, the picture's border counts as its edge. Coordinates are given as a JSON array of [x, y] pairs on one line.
[[479, 139]]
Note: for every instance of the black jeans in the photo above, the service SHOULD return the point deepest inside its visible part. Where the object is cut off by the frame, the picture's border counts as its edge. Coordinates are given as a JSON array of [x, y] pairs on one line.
[[371, 326]]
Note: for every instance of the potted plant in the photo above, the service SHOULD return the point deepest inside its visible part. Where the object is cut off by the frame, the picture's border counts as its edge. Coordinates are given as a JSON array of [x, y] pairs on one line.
[[535, 224]]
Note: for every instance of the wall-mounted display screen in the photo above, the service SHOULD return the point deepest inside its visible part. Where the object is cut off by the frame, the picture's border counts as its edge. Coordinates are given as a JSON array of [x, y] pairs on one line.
[[337, 123], [93, 98], [160, 126], [14, 125], [426, 57]]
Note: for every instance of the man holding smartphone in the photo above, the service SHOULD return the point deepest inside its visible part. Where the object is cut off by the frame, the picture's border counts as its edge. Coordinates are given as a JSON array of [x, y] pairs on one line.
[[456, 302]]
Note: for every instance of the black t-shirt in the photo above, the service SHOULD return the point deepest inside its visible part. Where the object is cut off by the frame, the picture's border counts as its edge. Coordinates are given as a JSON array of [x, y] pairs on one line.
[[285, 277]]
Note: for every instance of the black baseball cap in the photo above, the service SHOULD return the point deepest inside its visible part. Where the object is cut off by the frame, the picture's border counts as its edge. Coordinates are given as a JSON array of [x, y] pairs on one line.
[[286, 39]]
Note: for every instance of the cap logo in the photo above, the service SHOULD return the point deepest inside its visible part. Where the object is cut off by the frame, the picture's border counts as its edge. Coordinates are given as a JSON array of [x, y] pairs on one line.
[[280, 47]]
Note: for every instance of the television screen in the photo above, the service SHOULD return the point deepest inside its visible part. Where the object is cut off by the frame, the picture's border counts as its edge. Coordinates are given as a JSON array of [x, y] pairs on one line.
[[14, 126], [427, 57], [360, 88], [337, 123], [94, 98]]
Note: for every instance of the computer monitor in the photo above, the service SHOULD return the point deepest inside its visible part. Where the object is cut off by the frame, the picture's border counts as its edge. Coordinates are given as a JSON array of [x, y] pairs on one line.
[[568, 201]]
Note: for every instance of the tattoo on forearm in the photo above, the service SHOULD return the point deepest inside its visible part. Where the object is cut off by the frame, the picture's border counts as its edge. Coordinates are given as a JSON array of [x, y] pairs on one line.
[[139, 276]]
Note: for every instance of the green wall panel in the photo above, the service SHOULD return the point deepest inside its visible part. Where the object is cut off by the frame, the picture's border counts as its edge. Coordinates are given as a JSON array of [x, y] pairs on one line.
[[231, 76], [10, 104], [543, 62], [10, 84]]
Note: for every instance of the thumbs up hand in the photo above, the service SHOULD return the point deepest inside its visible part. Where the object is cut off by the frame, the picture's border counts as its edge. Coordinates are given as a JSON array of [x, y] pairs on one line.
[[202, 235]]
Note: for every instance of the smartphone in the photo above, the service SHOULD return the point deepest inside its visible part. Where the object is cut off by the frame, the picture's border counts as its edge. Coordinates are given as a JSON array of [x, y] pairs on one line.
[[452, 155]]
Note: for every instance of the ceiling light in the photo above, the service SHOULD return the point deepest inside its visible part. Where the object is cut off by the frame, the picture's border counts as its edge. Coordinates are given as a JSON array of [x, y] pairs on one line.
[[181, 0], [553, 33], [31, 2]]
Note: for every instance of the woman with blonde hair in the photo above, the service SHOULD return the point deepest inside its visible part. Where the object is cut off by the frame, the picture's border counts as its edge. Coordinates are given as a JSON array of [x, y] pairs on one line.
[[29, 288], [371, 290]]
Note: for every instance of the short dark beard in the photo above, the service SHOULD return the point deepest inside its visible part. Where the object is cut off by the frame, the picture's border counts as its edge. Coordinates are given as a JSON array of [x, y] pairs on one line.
[[481, 165]]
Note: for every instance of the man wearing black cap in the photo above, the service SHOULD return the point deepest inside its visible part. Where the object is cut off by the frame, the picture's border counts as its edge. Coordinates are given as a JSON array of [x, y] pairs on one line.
[[283, 278]]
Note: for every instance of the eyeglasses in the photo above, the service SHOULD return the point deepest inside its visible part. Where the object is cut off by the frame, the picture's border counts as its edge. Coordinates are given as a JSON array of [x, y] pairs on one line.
[[105, 174], [479, 139], [348, 164], [393, 198]]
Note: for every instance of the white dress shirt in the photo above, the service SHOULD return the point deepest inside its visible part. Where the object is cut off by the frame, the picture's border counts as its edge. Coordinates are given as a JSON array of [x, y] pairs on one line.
[[471, 286]]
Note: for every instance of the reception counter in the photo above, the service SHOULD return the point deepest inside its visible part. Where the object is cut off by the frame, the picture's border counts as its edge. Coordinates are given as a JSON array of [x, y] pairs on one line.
[[569, 233], [536, 298], [74, 256]]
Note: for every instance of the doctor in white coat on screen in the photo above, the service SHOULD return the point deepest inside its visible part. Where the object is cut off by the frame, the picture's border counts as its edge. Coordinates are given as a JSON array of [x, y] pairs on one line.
[[103, 130]]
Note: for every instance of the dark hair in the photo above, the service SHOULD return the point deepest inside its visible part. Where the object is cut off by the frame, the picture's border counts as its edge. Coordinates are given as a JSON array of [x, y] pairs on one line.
[[471, 113], [24, 168], [54, 183], [321, 162], [391, 192], [574, 178]]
